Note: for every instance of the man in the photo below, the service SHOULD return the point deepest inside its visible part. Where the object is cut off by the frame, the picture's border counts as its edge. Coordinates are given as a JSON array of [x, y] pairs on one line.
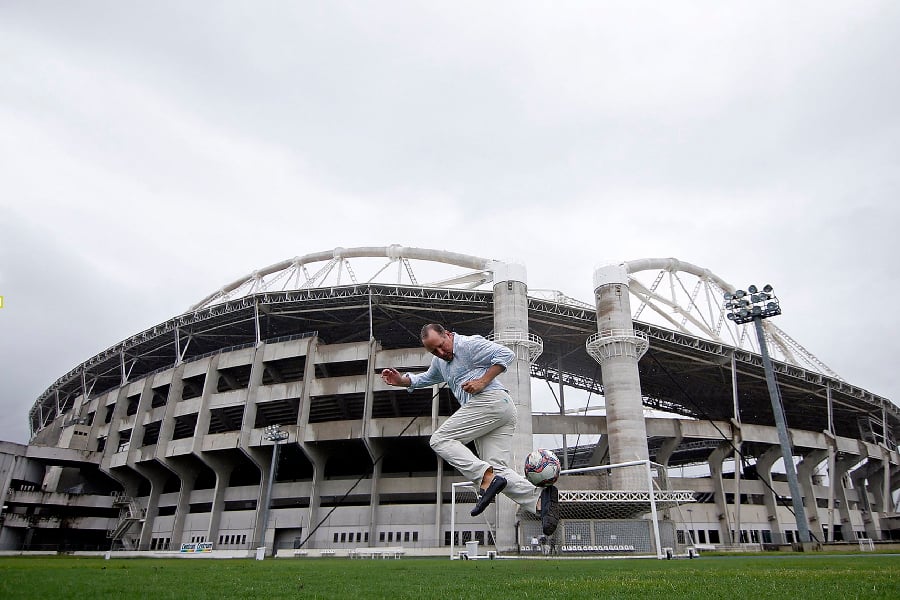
[[487, 416]]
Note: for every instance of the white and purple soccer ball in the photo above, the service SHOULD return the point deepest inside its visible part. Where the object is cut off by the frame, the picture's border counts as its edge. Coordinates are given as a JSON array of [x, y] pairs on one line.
[[542, 467]]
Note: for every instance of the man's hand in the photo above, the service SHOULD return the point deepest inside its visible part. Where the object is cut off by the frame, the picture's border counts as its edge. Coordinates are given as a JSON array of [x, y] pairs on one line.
[[474, 386], [393, 377]]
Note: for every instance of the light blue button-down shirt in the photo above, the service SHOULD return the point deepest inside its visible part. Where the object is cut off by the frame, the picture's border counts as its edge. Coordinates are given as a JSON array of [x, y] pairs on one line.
[[472, 357]]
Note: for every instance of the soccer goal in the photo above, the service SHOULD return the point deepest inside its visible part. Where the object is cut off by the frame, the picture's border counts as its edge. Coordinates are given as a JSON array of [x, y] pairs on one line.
[[621, 510], [465, 529]]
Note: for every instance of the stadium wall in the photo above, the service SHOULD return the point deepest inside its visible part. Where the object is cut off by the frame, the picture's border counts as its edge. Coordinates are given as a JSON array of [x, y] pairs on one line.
[[178, 455]]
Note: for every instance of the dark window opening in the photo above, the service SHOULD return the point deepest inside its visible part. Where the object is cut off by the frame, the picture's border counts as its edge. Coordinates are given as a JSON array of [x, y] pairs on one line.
[[160, 396], [293, 464], [400, 403], [284, 370], [234, 378], [341, 369], [185, 426], [124, 440], [192, 387], [151, 433], [277, 412], [226, 419], [133, 402], [341, 407], [349, 459], [244, 472]]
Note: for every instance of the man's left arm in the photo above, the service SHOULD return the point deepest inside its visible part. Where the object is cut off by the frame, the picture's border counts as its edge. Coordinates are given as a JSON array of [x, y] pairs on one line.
[[491, 355], [474, 386]]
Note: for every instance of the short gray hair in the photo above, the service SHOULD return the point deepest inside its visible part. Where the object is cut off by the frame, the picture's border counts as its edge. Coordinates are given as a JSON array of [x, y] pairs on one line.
[[435, 327]]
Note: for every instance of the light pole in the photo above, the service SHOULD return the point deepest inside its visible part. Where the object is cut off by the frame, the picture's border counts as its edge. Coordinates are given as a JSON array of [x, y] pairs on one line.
[[276, 436], [690, 512], [754, 305]]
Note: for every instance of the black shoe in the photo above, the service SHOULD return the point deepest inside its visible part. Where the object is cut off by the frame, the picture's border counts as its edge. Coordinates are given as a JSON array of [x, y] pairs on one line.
[[549, 509], [497, 485]]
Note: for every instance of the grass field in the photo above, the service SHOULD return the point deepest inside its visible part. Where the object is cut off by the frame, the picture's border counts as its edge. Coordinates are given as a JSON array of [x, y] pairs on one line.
[[783, 577]]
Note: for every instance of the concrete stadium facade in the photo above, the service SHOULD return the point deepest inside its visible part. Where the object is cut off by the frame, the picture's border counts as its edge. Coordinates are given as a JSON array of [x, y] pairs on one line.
[[160, 441]]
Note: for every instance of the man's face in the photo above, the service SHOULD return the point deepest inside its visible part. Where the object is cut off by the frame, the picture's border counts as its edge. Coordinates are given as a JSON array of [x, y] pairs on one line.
[[441, 345]]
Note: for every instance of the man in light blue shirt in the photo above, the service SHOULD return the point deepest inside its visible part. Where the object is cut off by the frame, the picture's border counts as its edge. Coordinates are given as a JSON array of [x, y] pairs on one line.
[[470, 366]]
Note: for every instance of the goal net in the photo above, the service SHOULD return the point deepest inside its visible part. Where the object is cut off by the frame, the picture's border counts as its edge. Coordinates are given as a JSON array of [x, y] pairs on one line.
[[609, 510]]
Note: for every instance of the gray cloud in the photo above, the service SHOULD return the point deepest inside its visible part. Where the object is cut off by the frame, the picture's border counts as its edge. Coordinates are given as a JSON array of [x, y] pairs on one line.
[[149, 153]]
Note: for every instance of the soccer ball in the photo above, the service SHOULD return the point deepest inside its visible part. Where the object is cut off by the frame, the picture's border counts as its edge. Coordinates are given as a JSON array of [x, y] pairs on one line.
[[542, 468]]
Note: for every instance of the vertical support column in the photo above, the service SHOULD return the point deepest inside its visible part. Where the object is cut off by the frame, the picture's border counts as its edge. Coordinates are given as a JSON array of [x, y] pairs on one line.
[[618, 347], [222, 467], [511, 329], [439, 470], [562, 411], [842, 502], [805, 471], [859, 477], [738, 444], [832, 457], [715, 471], [318, 458], [764, 470]]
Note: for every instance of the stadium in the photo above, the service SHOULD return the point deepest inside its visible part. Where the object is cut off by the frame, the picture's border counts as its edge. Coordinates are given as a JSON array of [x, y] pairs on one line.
[[257, 419]]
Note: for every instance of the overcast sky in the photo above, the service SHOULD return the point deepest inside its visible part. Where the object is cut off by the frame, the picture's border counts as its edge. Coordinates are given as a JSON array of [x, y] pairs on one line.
[[151, 152]]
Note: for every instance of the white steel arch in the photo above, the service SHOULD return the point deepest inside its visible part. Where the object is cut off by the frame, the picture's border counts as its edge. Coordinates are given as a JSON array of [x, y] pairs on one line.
[[689, 299], [334, 268], [679, 295]]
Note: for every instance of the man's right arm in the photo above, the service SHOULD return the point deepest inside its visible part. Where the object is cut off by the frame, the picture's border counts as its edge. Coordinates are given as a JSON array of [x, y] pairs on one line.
[[430, 377], [395, 377]]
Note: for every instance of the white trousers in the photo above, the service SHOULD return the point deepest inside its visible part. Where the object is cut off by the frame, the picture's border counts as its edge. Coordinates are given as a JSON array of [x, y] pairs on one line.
[[488, 419]]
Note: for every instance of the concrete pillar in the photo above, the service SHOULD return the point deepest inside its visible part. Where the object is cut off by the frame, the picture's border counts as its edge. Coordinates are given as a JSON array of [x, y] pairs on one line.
[[187, 473], [438, 532], [805, 471], [157, 477], [665, 454], [377, 448], [617, 347], [222, 467], [764, 470], [716, 458], [511, 329], [318, 458], [859, 477], [837, 479]]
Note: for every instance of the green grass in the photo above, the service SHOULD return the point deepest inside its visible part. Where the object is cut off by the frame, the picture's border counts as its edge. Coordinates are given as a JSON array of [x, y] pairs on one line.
[[782, 577]]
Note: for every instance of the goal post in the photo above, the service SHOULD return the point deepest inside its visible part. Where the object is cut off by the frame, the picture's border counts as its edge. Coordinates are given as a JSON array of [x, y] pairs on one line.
[[463, 527], [620, 510]]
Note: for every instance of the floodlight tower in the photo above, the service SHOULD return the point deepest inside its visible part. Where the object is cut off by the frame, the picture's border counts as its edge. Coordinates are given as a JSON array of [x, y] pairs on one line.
[[754, 305], [274, 434]]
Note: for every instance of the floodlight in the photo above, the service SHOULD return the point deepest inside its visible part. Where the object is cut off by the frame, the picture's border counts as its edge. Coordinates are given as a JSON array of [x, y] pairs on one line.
[[729, 296], [744, 311]]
